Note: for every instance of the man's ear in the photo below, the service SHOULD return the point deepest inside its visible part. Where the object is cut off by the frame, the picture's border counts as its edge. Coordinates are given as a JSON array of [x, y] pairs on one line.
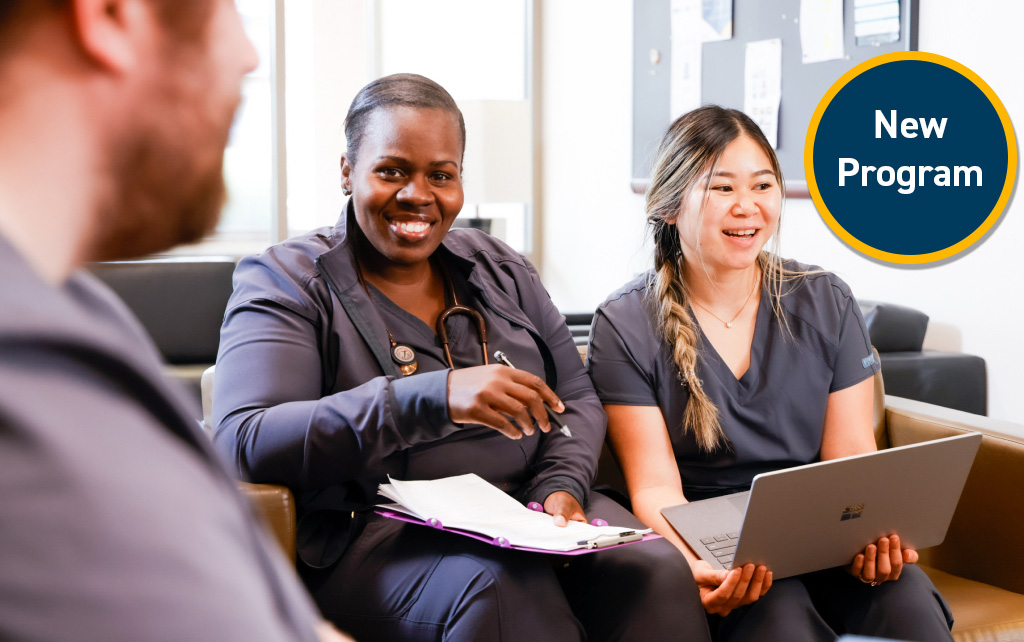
[[110, 31]]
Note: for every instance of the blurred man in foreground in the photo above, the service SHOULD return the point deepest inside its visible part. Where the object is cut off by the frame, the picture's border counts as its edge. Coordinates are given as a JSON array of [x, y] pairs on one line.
[[116, 520]]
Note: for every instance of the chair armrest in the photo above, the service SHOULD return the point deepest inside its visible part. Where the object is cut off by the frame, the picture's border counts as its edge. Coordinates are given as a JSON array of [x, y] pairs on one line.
[[276, 505], [984, 538]]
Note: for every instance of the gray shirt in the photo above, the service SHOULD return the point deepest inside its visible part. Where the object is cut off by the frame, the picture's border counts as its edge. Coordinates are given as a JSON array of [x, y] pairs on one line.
[[774, 414], [117, 522]]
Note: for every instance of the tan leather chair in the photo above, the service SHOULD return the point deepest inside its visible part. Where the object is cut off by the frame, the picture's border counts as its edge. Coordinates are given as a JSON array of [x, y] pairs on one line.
[[272, 503], [979, 568]]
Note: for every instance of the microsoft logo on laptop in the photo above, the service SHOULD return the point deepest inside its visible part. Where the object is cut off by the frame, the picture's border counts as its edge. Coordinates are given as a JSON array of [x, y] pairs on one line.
[[852, 512]]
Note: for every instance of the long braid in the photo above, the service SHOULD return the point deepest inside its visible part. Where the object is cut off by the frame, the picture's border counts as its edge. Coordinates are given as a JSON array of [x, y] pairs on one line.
[[679, 329]]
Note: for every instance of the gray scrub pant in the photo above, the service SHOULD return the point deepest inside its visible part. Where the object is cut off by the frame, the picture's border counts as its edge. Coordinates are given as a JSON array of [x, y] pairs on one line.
[[400, 582], [827, 604]]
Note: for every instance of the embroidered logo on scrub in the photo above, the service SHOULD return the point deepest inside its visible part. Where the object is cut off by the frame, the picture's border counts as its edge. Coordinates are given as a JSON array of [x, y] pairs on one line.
[[852, 512], [868, 361]]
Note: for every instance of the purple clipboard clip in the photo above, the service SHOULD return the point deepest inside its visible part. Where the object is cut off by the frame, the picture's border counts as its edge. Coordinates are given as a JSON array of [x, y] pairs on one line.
[[600, 543]]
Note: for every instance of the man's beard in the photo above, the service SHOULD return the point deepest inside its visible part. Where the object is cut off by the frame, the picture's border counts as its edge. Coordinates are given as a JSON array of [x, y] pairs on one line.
[[166, 184]]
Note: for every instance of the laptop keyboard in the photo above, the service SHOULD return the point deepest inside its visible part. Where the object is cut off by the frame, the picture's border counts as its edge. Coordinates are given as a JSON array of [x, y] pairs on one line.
[[722, 546]]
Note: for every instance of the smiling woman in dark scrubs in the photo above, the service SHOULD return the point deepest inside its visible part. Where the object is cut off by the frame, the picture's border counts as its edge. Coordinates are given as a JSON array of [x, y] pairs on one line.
[[361, 351], [726, 361]]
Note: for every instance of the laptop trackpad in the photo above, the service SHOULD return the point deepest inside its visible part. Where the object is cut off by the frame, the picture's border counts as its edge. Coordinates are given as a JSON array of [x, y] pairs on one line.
[[708, 517], [739, 501]]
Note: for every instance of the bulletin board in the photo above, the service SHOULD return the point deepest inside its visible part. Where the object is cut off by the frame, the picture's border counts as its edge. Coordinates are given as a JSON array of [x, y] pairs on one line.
[[722, 74]]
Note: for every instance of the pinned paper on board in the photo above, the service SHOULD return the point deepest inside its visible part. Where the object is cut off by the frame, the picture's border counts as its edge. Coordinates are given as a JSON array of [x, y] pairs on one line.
[[762, 86], [821, 30], [876, 22], [716, 19]]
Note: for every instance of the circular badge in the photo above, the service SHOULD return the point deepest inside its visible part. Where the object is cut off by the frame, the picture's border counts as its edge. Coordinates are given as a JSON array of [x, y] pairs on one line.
[[910, 158]]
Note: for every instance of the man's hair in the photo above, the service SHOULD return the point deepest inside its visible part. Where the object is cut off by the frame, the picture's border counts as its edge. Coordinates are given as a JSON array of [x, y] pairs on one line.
[[15, 15], [185, 19]]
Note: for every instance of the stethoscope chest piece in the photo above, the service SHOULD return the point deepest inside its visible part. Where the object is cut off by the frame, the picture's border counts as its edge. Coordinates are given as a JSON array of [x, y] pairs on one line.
[[404, 357]]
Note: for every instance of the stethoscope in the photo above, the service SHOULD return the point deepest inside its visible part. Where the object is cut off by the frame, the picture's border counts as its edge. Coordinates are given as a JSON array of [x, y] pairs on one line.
[[405, 357], [455, 309]]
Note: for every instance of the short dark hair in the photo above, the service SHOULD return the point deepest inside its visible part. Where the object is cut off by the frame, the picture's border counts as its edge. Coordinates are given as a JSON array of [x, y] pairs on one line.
[[396, 90]]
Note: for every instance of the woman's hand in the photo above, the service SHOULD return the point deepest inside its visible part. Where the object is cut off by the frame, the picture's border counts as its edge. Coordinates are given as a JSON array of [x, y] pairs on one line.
[[491, 395], [882, 561], [564, 508], [723, 591]]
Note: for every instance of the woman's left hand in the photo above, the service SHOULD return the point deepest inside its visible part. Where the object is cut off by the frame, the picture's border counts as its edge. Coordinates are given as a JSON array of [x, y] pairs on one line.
[[882, 561], [564, 508]]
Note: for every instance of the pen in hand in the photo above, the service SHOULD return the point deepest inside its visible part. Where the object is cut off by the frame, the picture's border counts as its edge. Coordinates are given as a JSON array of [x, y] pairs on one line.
[[552, 415]]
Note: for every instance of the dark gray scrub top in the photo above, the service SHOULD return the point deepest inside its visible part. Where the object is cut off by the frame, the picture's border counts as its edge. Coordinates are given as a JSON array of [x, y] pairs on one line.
[[774, 414], [501, 460], [118, 521]]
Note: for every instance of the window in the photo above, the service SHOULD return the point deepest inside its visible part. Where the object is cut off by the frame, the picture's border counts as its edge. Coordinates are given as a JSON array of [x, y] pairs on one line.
[[248, 159], [479, 51]]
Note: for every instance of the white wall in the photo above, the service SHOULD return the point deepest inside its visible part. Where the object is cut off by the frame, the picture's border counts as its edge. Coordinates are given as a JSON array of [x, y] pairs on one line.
[[593, 225]]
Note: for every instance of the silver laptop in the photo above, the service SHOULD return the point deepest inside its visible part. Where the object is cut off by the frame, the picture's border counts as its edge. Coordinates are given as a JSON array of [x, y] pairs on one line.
[[818, 516]]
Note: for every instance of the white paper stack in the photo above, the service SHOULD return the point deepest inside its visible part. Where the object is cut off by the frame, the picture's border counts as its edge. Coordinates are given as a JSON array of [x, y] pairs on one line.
[[468, 503]]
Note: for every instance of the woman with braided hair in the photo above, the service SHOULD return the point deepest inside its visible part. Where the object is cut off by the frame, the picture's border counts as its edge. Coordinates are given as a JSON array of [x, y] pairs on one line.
[[726, 361]]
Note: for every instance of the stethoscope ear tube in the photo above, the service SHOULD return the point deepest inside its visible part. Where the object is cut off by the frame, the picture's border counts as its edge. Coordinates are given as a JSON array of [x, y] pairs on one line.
[[442, 329]]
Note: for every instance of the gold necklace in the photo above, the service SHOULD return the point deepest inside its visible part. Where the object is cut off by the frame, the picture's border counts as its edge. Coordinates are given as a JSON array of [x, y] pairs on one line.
[[728, 324]]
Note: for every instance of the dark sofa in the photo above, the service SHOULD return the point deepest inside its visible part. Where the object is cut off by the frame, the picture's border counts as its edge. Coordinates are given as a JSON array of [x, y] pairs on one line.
[[180, 302], [948, 379]]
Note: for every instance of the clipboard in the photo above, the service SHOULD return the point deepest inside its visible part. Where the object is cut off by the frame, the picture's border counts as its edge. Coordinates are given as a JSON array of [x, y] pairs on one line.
[[468, 505], [599, 543]]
